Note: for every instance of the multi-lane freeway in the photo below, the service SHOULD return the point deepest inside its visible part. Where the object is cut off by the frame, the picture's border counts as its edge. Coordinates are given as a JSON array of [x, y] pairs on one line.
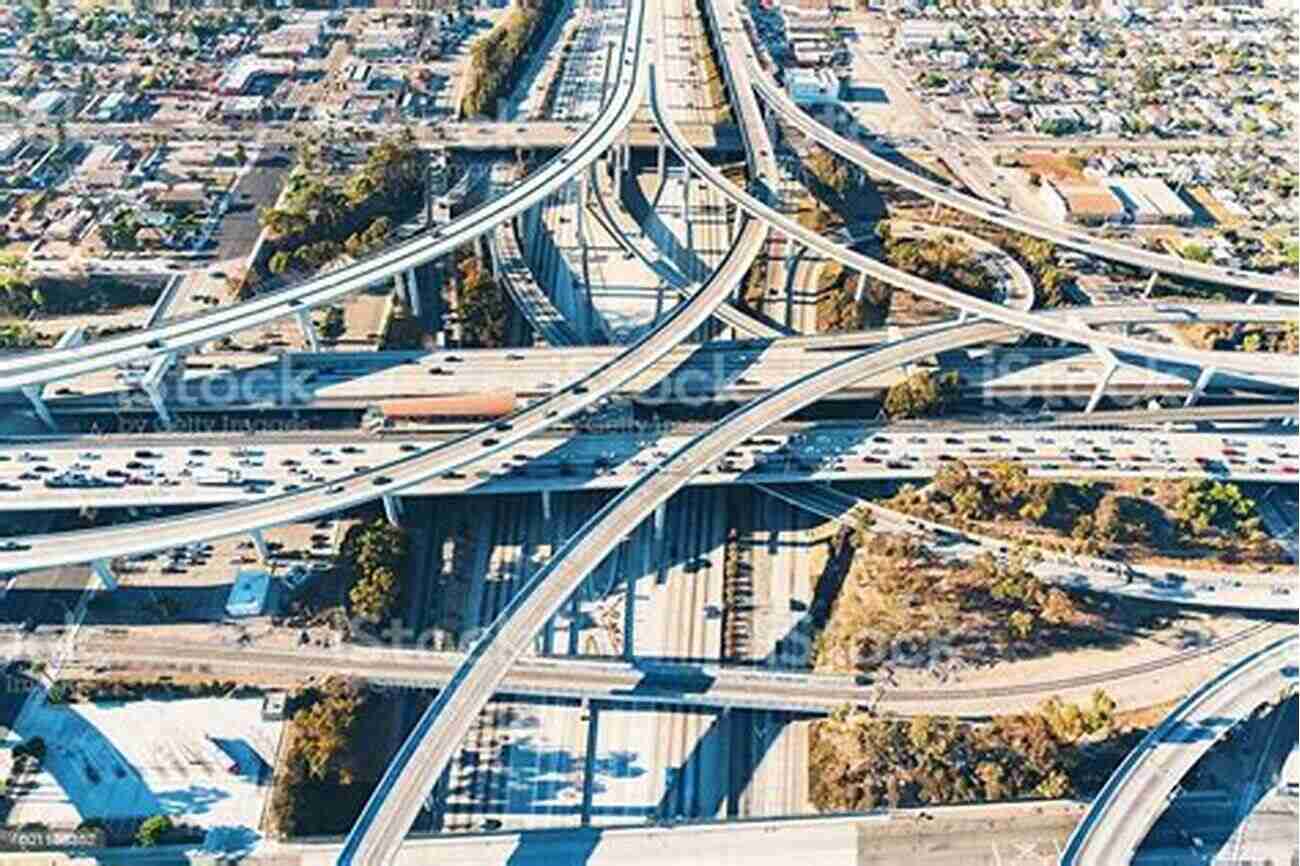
[[207, 470], [225, 382]]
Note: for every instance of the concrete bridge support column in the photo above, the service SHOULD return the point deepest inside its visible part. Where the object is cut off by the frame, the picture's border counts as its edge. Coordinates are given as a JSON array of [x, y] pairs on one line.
[[860, 292], [308, 330], [660, 514], [686, 216], [151, 384], [33, 395], [737, 217], [393, 510], [260, 545], [582, 215], [662, 161], [411, 287], [1099, 390], [1202, 381], [1151, 284], [546, 506], [104, 572], [686, 198], [71, 338]]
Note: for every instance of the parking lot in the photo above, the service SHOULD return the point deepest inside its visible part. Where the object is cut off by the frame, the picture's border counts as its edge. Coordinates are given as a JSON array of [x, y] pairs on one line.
[[201, 761]]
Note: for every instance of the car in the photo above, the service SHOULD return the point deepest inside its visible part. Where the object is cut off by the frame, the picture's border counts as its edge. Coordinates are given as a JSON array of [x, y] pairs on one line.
[[408, 447], [490, 442], [337, 488], [381, 480], [352, 449]]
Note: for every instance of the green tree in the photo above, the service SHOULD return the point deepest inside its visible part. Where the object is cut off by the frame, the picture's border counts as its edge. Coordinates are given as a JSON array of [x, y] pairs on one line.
[[922, 395], [153, 830], [279, 262]]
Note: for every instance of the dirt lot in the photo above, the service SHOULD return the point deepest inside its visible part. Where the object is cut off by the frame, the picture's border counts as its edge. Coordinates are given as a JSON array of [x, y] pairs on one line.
[[1051, 165]]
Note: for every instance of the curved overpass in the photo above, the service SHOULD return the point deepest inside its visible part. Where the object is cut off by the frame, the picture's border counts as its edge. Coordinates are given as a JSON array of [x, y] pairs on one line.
[[1133, 798], [439, 732], [1277, 366], [727, 313], [1020, 291], [38, 368], [1081, 241]]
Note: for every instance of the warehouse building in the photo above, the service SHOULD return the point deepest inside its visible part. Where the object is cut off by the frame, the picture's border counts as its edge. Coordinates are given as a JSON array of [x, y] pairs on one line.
[[812, 86], [1085, 203], [1149, 200]]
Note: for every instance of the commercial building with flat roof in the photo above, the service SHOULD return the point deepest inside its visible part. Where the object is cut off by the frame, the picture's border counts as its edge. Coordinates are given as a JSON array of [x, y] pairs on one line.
[[1081, 202], [242, 72], [249, 593], [812, 86], [1150, 200], [913, 35]]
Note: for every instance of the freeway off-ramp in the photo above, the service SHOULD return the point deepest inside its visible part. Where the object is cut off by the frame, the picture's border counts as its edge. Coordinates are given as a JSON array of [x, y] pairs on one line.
[[754, 73], [386, 818], [1139, 791]]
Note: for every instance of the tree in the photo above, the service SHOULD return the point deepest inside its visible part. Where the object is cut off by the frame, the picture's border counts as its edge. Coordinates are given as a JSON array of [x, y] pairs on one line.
[[153, 830], [279, 262], [335, 324], [15, 284], [377, 553], [922, 395]]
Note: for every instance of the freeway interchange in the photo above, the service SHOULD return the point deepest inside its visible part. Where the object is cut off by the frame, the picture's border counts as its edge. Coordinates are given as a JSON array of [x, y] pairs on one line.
[[272, 483]]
